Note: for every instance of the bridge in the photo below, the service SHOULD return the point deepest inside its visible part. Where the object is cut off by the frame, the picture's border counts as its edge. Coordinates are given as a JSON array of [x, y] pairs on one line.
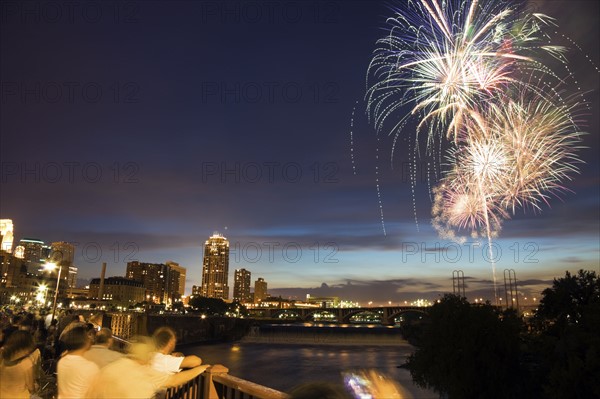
[[387, 314]]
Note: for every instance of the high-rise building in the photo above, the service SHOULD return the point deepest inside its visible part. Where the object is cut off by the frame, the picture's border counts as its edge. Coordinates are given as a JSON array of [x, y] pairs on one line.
[[160, 281], [260, 290], [62, 253], [72, 277], [215, 267], [33, 253], [182, 271], [241, 285], [6, 235]]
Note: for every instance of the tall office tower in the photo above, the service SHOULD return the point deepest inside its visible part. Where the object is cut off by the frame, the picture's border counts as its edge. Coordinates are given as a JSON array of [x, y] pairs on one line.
[[182, 271], [241, 285], [33, 253], [62, 253], [172, 293], [156, 278], [260, 290], [215, 268], [72, 277], [6, 235]]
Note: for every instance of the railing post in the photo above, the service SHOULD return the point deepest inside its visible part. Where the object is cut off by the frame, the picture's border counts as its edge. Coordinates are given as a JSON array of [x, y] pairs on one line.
[[208, 390]]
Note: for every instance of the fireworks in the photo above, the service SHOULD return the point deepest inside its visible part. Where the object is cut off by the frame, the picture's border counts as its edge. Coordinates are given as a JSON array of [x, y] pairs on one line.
[[472, 71], [442, 60]]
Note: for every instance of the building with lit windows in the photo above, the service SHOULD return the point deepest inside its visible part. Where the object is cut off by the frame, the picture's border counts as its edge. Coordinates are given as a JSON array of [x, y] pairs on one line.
[[241, 285], [33, 250], [6, 235], [215, 268], [260, 290], [62, 252], [119, 291], [196, 290], [182, 272], [159, 280]]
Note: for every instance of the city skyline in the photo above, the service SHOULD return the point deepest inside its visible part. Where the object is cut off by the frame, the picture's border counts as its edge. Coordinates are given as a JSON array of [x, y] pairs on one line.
[[260, 151]]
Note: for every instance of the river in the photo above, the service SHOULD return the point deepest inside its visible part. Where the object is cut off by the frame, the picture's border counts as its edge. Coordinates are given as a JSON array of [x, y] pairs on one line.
[[282, 363]]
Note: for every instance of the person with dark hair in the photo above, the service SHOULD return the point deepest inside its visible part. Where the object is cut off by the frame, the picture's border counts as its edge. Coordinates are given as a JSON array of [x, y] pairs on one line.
[[164, 359], [18, 366], [14, 326], [75, 373], [100, 353]]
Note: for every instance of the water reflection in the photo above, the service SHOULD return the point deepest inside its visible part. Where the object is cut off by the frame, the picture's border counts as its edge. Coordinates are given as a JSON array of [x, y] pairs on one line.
[[283, 366]]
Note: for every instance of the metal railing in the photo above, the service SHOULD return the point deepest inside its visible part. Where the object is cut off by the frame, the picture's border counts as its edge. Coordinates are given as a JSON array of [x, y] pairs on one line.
[[220, 385]]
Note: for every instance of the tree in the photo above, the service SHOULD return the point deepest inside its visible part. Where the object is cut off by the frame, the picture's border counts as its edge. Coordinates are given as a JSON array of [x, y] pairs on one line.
[[571, 300], [209, 306], [468, 351], [566, 344]]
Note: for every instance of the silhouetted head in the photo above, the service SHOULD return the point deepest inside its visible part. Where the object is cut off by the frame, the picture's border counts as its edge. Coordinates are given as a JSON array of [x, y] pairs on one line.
[[104, 337], [19, 342], [164, 339], [76, 338]]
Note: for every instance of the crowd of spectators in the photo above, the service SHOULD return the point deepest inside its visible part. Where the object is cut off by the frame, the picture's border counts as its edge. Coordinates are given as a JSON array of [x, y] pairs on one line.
[[67, 357]]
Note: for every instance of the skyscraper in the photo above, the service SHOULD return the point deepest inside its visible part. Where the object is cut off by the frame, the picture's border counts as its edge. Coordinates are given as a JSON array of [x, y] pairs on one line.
[[32, 253], [62, 252], [182, 271], [260, 290], [241, 285], [215, 267], [6, 235]]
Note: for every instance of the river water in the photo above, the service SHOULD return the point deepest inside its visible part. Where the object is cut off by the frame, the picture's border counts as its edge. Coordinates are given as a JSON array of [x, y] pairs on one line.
[[280, 362]]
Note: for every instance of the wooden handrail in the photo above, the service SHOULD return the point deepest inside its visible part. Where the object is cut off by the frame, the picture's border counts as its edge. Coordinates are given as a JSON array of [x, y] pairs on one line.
[[248, 387]]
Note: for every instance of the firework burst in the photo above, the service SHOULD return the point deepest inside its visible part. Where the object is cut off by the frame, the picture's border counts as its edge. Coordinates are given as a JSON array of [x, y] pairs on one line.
[[442, 60], [472, 72]]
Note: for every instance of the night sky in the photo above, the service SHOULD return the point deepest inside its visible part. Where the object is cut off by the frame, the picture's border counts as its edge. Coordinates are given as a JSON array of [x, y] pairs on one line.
[[145, 126]]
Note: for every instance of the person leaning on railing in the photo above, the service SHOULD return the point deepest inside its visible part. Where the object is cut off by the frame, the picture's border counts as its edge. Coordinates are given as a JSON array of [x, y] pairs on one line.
[[100, 353], [132, 377], [165, 359]]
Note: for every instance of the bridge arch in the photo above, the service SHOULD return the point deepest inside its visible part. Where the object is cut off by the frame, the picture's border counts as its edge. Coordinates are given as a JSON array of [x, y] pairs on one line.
[[393, 315], [287, 313], [309, 316], [347, 316]]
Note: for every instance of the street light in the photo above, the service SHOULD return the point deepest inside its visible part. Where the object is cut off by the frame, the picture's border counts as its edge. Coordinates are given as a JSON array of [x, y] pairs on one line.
[[50, 266]]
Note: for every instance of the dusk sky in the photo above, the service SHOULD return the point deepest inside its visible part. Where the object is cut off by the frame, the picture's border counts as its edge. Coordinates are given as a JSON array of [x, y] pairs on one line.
[[145, 126]]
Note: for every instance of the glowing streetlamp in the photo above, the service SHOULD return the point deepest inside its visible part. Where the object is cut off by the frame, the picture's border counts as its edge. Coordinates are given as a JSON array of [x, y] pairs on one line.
[[50, 266]]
